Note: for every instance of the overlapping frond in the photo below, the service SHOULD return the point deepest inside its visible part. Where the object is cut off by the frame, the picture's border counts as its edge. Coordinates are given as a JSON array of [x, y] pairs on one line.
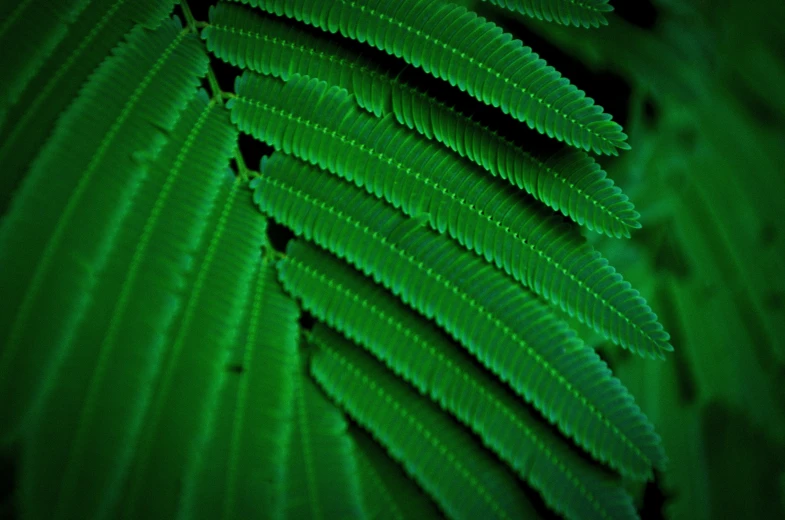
[[416, 350], [569, 181], [472, 54], [249, 39], [240, 468], [388, 493], [32, 29], [417, 434], [56, 239], [488, 216], [192, 368], [88, 428], [97, 29], [321, 481], [579, 13], [151, 363], [501, 323]]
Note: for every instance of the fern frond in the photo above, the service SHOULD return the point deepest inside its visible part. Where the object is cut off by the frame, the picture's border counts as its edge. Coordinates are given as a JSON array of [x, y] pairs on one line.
[[580, 13], [416, 351], [569, 181], [192, 368], [87, 42], [251, 421], [471, 53], [89, 432], [56, 240], [248, 39], [32, 28], [321, 481], [388, 493], [98, 368], [502, 324], [417, 434], [489, 217]]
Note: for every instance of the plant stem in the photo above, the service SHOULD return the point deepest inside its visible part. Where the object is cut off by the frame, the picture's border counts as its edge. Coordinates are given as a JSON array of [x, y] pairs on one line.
[[215, 90]]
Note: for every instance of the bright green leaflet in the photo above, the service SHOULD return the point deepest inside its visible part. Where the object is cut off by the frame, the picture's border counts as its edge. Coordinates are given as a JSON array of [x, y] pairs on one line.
[[501, 323], [418, 352], [569, 181], [417, 433], [472, 54], [483, 214], [389, 494]]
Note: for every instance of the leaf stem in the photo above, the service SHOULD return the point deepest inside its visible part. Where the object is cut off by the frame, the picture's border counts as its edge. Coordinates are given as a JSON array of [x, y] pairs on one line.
[[190, 21], [215, 89]]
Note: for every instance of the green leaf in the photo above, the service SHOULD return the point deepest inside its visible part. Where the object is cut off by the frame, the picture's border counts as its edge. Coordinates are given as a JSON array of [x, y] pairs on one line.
[[417, 434], [241, 465], [505, 326], [417, 351], [55, 242], [579, 13], [192, 367], [81, 443], [569, 181], [388, 493], [32, 28], [92, 429], [510, 77], [87, 42], [321, 479], [251, 40], [484, 214]]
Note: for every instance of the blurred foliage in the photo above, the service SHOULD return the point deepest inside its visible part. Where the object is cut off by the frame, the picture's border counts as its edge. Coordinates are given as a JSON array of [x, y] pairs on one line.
[[707, 130]]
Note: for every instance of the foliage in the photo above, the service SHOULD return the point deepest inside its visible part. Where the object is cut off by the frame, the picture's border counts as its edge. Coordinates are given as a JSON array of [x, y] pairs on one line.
[[411, 308]]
